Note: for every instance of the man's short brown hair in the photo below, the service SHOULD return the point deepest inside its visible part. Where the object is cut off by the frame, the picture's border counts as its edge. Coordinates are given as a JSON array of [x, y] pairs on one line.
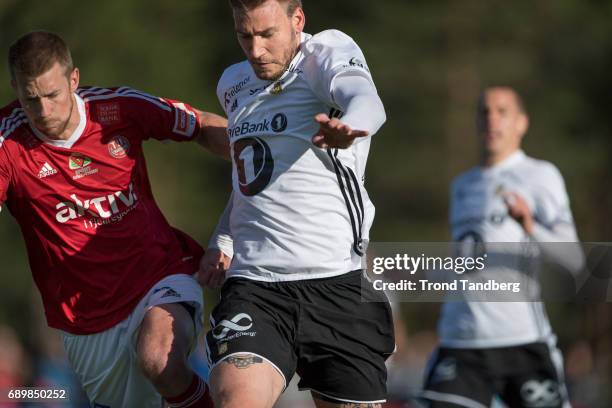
[[518, 98], [245, 5], [35, 53]]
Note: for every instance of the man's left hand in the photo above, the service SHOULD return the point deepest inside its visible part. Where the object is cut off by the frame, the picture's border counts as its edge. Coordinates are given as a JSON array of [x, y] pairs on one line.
[[519, 210], [335, 134], [213, 266]]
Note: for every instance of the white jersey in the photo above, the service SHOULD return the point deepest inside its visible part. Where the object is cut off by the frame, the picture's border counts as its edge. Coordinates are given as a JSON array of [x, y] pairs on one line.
[[298, 211], [478, 213]]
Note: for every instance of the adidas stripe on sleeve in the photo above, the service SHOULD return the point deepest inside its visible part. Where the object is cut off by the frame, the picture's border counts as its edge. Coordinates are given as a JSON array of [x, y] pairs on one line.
[[160, 118]]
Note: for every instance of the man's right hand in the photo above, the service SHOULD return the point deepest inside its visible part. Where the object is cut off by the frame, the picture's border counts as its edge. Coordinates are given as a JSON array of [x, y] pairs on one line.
[[213, 266], [333, 133]]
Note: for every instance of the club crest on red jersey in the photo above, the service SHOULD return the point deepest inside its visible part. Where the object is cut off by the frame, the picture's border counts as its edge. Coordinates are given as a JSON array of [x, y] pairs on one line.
[[81, 166], [119, 147], [78, 161]]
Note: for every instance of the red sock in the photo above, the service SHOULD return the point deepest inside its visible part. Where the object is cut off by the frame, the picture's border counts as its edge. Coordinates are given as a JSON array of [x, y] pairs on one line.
[[195, 396]]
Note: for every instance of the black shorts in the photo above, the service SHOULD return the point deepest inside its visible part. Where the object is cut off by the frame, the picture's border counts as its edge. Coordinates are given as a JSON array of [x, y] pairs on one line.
[[527, 376], [322, 329]]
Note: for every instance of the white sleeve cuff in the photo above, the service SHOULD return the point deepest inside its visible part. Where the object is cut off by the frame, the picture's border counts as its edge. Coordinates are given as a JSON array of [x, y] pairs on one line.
[[222, 237]]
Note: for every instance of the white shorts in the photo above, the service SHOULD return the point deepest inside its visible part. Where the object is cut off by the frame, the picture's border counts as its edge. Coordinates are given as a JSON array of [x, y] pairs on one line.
[[106, 362]]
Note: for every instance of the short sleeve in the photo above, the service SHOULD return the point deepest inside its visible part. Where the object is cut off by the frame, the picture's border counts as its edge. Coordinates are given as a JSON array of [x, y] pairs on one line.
[[161, 118], [233, 80], [329, 54], [222, 99]]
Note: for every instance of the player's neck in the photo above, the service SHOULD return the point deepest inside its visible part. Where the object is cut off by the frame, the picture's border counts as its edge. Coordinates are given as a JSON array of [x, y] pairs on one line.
[[292, 55], [493, 159]]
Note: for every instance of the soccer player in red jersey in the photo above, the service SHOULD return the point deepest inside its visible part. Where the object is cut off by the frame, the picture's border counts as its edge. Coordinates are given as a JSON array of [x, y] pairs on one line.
[[114, 276]]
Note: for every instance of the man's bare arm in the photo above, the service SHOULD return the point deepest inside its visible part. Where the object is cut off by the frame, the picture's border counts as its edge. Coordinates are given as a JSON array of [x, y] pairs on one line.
[[213, 134]]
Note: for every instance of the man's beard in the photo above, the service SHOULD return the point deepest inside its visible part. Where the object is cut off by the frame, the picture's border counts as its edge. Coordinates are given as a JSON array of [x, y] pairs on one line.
[[62, 126], [286, 61]]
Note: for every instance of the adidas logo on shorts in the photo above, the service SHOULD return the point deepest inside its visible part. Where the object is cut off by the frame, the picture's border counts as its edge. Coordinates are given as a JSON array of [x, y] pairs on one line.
[[171, 293]]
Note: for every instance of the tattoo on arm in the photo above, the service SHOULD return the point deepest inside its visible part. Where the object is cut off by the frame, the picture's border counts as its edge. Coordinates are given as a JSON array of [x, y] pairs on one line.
[[244, 361]]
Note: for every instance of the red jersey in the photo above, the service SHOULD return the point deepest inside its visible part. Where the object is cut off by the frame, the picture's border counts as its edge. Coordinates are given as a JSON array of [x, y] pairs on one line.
[[96, 240]]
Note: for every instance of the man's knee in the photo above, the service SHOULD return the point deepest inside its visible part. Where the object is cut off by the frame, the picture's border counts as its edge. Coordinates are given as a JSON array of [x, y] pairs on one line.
[[245, 380], [164, 341], [163, 369]]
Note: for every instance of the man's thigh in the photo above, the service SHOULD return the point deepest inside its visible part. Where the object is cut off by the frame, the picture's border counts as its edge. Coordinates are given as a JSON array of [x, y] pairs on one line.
[[458, 378], [245, 380], [251, 344], [346, 334], [107, 363], [538, 381], [171, 321], [108, 369]]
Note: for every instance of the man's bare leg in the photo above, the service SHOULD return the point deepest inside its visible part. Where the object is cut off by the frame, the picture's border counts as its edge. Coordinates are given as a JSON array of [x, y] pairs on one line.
[[245, 380]]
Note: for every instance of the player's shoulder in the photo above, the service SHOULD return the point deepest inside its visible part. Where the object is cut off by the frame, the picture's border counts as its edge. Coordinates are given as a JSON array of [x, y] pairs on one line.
[[238, 74], [110, 104], [327, 41], [94, 94], [102, 96], [467, 177], [542, 171], [10, 111], [331, 51], [9, 107], [13, 120]]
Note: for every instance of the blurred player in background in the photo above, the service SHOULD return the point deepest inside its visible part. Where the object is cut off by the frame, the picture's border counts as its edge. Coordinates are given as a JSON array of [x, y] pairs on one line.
[[503, 348], [298, 221], [114, 276]]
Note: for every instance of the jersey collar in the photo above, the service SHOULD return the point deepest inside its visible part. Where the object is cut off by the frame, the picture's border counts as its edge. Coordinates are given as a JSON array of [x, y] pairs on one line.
[[76, 135], [506, 163], [304, 37]]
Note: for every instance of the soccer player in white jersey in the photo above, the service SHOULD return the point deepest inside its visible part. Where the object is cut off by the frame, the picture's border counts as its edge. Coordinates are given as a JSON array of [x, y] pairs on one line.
[[298, 221], [115, 278], [503, 348]]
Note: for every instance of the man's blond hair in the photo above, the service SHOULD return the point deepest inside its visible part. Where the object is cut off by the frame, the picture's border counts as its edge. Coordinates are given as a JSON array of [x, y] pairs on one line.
[[243, 6]]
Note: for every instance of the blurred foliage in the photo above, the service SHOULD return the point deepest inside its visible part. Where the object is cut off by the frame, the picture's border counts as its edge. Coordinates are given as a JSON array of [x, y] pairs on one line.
[[429, 61]]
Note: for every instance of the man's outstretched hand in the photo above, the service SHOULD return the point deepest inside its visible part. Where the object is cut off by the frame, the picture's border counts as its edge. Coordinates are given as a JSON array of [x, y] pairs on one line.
[[335, 134], [213, 266]]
